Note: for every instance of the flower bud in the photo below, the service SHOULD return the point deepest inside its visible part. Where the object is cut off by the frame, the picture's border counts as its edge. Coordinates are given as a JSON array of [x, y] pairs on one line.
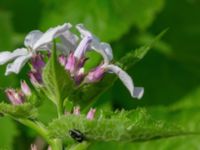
[[35, 78], [76, 110], [38, 62], [25, 88], [95, 75], [79, 76], [15, 97], [71, 63], [62, 60], [33, 147], [90, 114]]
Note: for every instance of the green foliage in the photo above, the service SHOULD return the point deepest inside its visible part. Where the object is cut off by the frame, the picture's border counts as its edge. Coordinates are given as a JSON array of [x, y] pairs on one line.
[[5, 30], [118, 126], [8, 131], [57, 82], [133, 57], [25, 110], [108, 19]]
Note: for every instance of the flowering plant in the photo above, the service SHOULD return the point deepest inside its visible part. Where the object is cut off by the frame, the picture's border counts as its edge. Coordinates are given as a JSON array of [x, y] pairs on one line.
[[57, 60]]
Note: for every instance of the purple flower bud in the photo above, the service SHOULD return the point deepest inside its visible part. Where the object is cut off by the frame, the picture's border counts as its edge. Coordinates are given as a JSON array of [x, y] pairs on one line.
[[62, 60], [81, 62], [49, 148], [35, 78], [33, 147], [76, 110], [25, 88], [15, 97], [79, 76], [71, 63], [38, 62], [95, 75], [90, 114]]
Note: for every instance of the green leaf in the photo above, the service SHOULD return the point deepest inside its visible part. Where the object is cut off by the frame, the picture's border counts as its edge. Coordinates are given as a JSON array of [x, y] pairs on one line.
[[121, 126], [107, 19], [185, 111], [25, 110], [174, 143], [57, 81], [133, 57]]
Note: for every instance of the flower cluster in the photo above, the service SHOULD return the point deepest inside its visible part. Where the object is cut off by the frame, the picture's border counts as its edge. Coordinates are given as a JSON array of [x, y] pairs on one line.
[[71, 55], [18, 97], [90, 114]]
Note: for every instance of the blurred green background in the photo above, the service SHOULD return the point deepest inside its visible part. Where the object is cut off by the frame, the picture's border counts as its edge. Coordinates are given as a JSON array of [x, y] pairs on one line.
[[170, 72]]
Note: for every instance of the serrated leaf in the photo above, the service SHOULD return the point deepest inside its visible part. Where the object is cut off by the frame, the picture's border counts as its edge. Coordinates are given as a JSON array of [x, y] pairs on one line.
[[118, 126], [133, 57], [25, 110], [57, 82]]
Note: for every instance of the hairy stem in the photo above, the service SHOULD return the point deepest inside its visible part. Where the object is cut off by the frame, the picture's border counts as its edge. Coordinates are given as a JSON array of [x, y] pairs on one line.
[[55, 144], [36, 126]]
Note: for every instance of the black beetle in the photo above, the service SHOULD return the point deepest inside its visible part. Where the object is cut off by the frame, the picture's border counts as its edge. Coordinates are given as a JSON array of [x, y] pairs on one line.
[[77, 135]]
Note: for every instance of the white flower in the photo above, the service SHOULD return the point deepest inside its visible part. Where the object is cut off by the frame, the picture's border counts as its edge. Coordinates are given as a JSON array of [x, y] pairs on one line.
[[106, 51], [35, 41]]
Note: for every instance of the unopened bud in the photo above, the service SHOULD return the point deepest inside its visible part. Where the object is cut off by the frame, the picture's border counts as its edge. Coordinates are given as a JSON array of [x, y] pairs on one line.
[[62, 60], [15, 97], [79, 76], [91, 113], [38, 62], [95, 75], [76, 110], [25, 88], [33, 147], [35, 78], [71, 63]]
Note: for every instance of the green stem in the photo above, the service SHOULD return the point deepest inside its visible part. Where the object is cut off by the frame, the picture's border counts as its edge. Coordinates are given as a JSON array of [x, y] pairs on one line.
[[60, 109], [55, 144], [36, 126]]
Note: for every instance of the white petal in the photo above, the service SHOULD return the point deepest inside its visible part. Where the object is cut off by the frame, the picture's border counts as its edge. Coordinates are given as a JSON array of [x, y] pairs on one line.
[[100, 47], [8, 56], [104, 49], [82, 47], [17, 65], [84, 32], [32, 38], [138, 92], [127, 81], [69, 40], [51, 34], [108, 50]]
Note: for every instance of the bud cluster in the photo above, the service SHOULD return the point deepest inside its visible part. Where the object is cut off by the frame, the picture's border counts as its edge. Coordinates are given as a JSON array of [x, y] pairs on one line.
[[18, 97]]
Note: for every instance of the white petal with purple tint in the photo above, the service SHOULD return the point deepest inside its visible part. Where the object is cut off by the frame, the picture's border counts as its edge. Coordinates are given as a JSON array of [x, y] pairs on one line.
[[32, 38], [136, 92], [8, 56], [49, 35], [17, 65], [82, 47], [69, 40]]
